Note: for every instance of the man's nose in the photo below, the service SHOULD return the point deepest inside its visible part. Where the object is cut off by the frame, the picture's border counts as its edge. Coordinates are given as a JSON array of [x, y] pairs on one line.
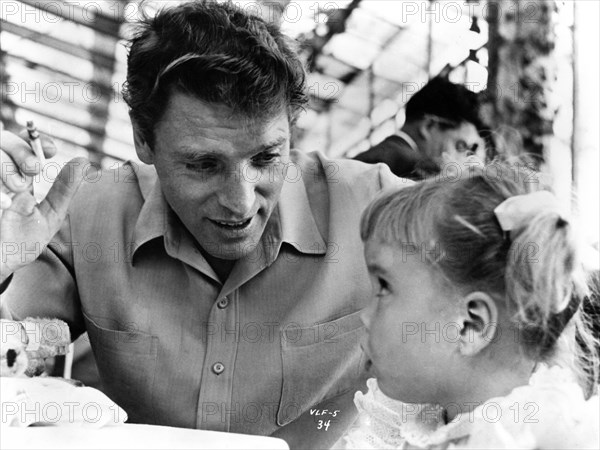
[[11, 357], [238, 195]]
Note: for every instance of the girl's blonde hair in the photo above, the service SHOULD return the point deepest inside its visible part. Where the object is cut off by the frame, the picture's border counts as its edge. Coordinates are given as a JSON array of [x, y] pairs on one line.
[[536, 269]]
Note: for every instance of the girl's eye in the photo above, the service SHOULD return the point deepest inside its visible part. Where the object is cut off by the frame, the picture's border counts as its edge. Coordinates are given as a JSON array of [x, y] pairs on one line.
[[383, 287]]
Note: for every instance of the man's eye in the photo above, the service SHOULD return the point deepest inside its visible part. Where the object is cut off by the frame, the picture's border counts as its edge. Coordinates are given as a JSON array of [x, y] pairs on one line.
[[461, 146], [265, 159], [202, 166]]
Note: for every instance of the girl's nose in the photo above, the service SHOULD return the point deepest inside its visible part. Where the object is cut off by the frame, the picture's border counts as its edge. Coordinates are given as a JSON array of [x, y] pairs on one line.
[[366, 316]]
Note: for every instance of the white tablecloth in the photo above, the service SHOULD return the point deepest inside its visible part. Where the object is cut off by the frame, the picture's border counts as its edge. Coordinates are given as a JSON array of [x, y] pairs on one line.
[[130, 436]]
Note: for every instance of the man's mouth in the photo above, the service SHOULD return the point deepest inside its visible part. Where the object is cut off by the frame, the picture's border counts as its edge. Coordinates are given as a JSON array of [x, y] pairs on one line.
[[232, 225]]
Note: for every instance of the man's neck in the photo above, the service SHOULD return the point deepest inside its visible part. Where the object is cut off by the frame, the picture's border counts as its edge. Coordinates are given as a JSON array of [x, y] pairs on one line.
[[409, 140], [222, 267], [412, 132]]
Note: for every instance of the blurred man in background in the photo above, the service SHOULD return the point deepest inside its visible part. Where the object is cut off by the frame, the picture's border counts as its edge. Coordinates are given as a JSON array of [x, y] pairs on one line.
[[442, 126]]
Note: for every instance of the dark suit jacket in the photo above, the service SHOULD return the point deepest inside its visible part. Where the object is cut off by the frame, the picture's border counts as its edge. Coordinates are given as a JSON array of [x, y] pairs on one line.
[[400, 157]]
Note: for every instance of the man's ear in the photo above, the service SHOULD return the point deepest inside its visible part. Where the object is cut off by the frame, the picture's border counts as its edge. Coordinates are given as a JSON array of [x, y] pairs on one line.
[[425, 127], [479, 317], [142, 149]]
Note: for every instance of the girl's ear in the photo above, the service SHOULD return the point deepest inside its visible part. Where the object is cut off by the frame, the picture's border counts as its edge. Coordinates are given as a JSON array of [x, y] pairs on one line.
[[479, 317], [142, 149]]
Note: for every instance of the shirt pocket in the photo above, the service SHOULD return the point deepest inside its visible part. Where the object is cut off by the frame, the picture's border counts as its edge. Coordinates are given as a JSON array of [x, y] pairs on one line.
[[319, 362], [127, 364]]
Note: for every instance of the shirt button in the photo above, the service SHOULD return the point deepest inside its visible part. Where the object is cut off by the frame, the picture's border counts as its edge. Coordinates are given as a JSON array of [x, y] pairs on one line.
[[223, 303], [218, 368]]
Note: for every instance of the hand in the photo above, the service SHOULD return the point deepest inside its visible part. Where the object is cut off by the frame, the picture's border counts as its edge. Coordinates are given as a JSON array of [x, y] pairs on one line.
[[25, 226]]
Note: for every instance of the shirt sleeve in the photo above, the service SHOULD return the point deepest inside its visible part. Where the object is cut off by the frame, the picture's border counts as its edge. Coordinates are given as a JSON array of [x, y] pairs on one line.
[[47, 288]]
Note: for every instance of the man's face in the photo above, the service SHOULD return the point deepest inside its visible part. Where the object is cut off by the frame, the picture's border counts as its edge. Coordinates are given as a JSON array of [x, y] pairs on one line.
[[456, 145], [221, 174]]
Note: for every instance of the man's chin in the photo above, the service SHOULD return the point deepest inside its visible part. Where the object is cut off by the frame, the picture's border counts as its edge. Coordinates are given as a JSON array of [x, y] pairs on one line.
[[234, 251], [230, 244]]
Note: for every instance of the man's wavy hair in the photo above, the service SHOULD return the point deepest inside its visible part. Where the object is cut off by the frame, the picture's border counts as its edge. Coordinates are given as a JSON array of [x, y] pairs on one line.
[[217, 53]]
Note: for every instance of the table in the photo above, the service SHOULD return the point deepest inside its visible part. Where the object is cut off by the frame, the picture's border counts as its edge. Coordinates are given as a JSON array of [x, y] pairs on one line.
[[130, 436]]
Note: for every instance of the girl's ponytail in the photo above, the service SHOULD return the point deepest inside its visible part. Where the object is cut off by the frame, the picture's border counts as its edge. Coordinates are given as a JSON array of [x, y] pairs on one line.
[[541, 281], [546, 285]]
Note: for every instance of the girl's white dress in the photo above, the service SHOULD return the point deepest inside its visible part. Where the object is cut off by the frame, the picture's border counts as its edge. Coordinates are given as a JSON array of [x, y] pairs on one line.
[[549, 413]]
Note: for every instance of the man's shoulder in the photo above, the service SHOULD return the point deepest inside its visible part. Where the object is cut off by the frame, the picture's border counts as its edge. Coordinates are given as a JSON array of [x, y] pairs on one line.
[[391, 150], [395, 142], [115, 187], [338, 190], [347, 174], [316, 168]]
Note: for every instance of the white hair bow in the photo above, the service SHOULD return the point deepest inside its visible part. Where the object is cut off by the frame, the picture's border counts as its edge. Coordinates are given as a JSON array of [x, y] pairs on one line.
[[514, 212]]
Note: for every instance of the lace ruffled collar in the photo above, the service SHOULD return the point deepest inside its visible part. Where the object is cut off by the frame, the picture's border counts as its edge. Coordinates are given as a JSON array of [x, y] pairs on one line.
[[526, 418], [393, 422]]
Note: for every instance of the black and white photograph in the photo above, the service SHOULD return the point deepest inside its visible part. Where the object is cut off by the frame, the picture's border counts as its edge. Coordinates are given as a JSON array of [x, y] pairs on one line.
[[299, 224]]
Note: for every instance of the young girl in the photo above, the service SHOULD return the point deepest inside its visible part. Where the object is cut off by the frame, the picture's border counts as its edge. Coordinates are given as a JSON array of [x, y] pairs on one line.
[[476, 334]]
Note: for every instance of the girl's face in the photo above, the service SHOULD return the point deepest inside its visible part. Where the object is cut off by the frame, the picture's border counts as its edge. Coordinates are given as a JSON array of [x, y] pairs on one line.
[[413, 330]]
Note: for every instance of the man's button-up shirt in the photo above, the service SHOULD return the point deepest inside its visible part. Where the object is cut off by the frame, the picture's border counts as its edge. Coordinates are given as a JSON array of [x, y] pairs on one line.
[[218, 368], [174, 345]]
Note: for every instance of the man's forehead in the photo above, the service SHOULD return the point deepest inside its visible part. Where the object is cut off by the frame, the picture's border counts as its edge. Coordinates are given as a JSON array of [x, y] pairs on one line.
[[190, 107], [262, 125], [465, 130], [193, 128]]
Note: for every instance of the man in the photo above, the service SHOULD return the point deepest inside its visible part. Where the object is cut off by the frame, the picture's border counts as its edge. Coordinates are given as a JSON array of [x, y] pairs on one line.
[[221, 288], [442, 126]]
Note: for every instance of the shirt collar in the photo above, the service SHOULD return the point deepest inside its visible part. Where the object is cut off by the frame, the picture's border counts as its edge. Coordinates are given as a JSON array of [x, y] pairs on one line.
[[292, 221], [152, 220], [298, 225], [410, 141]]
